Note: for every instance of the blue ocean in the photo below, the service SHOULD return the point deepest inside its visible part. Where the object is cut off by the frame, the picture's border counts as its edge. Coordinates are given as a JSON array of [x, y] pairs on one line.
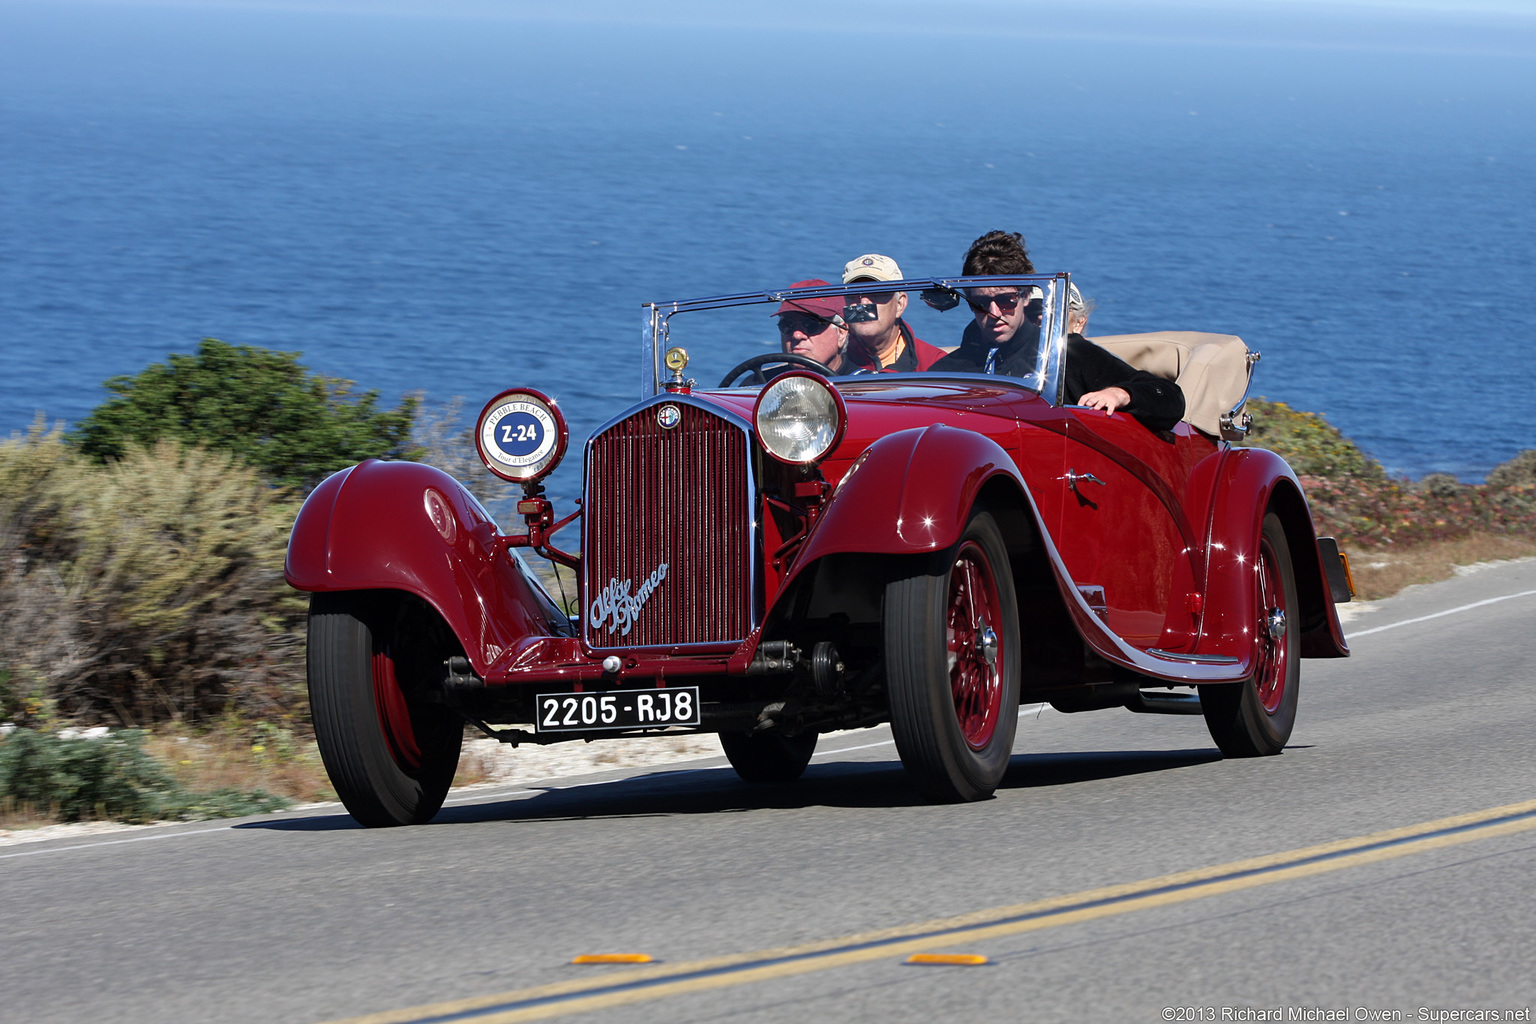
[[458, 197]]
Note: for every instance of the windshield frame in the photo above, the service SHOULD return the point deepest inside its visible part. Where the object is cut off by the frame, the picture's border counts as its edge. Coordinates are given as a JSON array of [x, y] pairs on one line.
[[1045, 380]]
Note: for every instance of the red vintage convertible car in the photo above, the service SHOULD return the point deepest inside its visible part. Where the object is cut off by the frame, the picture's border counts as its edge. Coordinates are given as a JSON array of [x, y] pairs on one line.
[[808, 553]]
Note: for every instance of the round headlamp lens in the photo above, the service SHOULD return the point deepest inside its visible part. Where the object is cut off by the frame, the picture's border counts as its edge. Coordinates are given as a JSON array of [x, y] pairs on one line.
[[798, 418]]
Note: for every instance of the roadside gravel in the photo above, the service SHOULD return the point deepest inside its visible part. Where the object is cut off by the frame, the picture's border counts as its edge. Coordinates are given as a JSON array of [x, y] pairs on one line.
[[490, 762], [496, 764]]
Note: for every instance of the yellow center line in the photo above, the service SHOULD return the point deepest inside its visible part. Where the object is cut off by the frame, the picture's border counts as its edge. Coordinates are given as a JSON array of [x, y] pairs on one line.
[[560, 999]]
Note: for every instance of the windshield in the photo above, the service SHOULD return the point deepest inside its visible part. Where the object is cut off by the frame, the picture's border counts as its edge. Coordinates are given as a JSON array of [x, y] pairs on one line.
[[1011, 325]]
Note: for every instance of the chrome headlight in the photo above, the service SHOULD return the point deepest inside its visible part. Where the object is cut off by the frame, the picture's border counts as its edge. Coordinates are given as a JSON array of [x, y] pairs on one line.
[[799, 417]]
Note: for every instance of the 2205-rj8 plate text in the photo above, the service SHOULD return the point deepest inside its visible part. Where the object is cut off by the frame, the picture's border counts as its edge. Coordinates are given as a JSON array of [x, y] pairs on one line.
[[623, 709]]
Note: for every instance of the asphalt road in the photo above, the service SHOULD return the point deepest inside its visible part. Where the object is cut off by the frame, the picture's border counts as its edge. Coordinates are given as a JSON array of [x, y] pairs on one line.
[[307, 918]]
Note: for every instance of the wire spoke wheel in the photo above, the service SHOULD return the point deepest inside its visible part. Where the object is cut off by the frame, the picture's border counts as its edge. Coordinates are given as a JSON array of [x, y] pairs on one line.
[[974, 677], [952, 666], [1255, 718]]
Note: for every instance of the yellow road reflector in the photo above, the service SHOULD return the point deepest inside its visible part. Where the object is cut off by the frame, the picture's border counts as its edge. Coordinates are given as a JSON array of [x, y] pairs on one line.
[[613, 958], [609, 989], [952, 959]]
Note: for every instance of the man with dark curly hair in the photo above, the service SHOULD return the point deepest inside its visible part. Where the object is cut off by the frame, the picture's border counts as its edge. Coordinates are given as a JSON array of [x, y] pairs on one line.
[[1005, 336]]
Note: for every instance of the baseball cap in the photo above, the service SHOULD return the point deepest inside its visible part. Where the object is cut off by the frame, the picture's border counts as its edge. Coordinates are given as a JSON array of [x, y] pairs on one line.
[[871, 267], [829, 308]]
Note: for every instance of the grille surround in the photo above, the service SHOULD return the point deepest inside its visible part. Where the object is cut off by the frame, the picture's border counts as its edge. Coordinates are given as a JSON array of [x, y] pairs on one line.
[[685, 496]]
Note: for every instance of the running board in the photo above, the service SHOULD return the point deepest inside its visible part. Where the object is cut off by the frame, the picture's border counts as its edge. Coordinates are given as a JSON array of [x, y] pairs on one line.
[[1162, 702]]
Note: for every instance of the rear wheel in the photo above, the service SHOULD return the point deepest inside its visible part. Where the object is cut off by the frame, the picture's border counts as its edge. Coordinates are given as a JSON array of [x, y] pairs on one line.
[[952, 666], [1255, 718], [769, 756], [390, 752]]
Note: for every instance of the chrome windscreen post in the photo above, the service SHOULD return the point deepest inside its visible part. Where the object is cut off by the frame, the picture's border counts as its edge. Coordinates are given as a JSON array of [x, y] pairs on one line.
[[1053, 338], [650, 361]]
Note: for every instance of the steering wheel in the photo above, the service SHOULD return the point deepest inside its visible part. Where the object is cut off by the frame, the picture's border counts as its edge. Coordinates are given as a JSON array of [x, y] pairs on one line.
[[756, 363]]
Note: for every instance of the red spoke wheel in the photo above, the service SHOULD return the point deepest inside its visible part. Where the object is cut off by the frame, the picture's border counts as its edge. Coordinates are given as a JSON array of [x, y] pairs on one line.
[[1255, 718], [389, 749], [952, 666]]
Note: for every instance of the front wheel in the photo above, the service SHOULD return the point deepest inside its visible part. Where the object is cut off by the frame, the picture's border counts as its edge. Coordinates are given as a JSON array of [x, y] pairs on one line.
[[769, 757], [389, 751], [1255, 718], [952, 666]]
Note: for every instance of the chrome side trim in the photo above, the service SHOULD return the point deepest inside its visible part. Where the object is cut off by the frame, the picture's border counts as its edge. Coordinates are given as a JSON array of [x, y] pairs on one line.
[[1198, 659]]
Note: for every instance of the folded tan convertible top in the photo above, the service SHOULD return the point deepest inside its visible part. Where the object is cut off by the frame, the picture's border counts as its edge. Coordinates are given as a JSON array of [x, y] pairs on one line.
[[1211, 369]]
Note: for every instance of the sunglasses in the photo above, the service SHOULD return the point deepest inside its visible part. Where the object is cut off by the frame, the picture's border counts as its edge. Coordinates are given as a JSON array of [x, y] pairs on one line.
[[1005, 303], [802, 323]]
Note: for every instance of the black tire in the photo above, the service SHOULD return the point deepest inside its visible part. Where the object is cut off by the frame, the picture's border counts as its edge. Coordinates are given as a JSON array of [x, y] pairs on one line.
[[390, 754], [769, 757], [1255, 718], [954, 720]]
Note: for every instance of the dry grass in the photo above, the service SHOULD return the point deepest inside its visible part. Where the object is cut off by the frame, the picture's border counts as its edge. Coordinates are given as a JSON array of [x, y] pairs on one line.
[[244, 758], [287, 765], [14, 816], [1382, 572]]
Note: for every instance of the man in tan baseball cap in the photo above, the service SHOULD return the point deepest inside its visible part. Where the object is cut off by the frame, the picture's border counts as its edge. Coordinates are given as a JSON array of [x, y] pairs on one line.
[[877, 335]]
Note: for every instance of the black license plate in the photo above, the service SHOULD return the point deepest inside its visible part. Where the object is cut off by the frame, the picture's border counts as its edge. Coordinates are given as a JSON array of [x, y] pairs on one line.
[[617, 709]]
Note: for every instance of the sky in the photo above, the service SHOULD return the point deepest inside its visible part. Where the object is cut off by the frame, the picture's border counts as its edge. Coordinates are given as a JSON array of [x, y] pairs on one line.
[[1504, 27]]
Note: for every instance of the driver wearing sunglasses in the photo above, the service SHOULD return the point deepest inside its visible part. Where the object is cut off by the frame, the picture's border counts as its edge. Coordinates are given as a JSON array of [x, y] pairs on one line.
[[1004, 337], [815, 328]]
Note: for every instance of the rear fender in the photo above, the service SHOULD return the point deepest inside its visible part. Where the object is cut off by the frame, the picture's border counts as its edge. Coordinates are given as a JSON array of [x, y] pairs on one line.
[[405, 526], [1256, 481]]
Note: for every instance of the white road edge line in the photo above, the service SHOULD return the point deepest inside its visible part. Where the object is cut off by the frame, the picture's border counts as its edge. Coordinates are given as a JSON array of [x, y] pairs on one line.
[[115, 842], [468, 798], [864, 746], [1436, 615], [541, 785]]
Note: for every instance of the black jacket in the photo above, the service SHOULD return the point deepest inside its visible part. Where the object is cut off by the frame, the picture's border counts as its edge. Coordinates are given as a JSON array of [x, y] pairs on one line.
[[1157, 403]]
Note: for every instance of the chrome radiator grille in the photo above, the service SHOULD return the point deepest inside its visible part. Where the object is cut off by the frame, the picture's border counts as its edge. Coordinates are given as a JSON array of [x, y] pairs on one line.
[[667, 532]]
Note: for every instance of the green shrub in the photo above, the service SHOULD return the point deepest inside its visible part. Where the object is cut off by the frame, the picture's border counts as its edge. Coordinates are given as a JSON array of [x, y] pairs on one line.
[[74, 779], [264, 406], [111, 777], [225, 802], [147, 589], [1309, 443], [1519, 473], [1353, 499]]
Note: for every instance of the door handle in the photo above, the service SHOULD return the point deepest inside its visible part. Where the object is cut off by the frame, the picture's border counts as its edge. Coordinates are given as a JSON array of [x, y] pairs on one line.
[[1073, 478]]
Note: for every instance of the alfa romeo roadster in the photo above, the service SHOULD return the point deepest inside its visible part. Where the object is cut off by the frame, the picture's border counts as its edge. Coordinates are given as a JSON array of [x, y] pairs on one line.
[[792, 552]]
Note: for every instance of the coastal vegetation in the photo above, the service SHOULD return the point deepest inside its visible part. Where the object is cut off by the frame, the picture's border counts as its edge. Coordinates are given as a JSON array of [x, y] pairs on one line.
[[151, 655], [263, 407], [1399, 532]]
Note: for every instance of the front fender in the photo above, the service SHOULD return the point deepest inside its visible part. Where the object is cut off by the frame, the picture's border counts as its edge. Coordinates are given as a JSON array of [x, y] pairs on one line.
[[406, 526], [911, 492], [1255, 481]]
